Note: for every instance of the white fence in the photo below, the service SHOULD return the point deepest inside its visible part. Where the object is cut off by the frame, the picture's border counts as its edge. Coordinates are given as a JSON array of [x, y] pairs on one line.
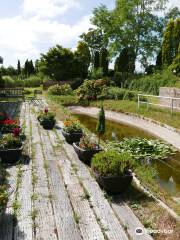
[[160, 101]]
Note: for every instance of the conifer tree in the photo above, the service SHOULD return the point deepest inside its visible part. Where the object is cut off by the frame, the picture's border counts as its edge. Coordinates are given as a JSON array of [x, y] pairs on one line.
[[96, 60], [176, 35], [104, 63], [168, 52], [19, 68]]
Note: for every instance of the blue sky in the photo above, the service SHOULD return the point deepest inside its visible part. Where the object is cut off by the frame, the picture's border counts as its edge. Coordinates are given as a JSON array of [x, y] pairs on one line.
[[29, 27]]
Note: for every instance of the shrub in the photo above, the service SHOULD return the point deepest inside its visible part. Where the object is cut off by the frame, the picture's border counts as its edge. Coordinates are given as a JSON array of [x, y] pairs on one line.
[[8, 81], [76, 83], [92, 90], [60, 90], [32, 81], [121, 93], [112, 163], [152, 83]]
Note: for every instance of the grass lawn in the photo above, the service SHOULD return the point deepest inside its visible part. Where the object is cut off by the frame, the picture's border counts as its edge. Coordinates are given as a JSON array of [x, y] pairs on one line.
[[158, 114]]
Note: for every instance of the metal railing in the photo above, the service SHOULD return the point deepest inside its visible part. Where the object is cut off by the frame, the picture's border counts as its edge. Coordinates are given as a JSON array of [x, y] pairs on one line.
[[172, 102]]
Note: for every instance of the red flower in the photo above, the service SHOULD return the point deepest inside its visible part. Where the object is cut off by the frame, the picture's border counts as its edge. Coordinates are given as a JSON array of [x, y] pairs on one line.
[[46, 110]]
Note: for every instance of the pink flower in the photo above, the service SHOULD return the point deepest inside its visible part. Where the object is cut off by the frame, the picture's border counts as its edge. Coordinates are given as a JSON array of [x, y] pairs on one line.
[[16, 132]]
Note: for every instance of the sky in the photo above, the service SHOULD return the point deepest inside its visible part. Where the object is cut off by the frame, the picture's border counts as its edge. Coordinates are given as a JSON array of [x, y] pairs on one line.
[[31, 27]]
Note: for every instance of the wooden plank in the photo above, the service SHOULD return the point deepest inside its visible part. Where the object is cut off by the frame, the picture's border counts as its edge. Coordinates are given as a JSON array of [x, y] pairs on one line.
[[64, 215], [128, 219], [46, 227], [23, 228], [102, 208], [88, 224]]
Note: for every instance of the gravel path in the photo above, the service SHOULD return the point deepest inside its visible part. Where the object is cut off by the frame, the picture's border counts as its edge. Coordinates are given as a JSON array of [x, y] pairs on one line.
[[164, 133]]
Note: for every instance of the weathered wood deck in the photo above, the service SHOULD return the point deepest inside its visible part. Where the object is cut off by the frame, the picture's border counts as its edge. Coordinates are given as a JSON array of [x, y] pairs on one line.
[[56, 197]]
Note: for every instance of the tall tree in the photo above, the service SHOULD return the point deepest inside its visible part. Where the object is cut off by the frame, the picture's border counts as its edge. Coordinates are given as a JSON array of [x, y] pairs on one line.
[[19, 68], [176, 35], [104, 62], [159, 60], [126, 61], [132, 24], [96, 61], [168, 44]]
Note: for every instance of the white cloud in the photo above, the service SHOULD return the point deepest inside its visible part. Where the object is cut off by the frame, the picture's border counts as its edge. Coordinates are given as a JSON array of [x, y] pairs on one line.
[[47, 8], [22, 38]]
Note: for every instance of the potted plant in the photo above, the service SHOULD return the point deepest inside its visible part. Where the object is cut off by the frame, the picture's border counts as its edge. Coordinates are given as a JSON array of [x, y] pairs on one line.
[[8, 125], [11, 147], [86, 148], [72, 130], [47, 119], [113, 170]]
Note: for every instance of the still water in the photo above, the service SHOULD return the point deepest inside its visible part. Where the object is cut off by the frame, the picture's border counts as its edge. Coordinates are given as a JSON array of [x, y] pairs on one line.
[[168, 170]]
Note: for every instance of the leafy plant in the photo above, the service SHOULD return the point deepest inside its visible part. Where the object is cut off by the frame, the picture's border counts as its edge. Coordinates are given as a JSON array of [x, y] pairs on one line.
[[142, 149], [88, 142], [46, 115], [72, 125], [10, 141], [60, 89], [112, 163], [8, 125]]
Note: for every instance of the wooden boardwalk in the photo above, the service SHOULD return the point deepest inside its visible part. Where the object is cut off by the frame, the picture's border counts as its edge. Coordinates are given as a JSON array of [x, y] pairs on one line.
[[55, 196]]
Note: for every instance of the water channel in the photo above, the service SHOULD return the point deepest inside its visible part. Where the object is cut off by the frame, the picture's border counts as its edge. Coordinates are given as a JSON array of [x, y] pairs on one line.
[[168, 170]]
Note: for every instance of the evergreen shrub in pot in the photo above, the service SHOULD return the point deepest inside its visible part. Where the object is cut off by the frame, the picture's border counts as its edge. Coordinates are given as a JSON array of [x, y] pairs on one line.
[[113, 170]]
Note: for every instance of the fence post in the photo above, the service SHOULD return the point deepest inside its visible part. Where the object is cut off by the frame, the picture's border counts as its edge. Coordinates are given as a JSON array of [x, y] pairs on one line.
[[172, 105]]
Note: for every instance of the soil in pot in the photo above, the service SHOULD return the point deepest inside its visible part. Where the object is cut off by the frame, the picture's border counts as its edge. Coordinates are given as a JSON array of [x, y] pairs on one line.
[[11, 156], [114, 184], [73, 136], [85, 155]]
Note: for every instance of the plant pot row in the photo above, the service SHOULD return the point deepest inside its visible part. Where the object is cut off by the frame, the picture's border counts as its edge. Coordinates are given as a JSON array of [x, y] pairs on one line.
[[112, 184]]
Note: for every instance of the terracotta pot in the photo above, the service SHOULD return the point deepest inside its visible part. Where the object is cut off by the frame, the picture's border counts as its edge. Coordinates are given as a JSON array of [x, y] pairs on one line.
[[72, 137], [114, 184], [85, 155]]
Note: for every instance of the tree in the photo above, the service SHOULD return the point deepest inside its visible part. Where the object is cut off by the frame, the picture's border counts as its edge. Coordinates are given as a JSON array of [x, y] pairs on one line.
[[176, 35], [126, 61], [82, 59], [159, 60], [104, 62], [131, 24], [1, 60], [101, 124], [168, 44], [96, 61], [175, 66], [19, 68]]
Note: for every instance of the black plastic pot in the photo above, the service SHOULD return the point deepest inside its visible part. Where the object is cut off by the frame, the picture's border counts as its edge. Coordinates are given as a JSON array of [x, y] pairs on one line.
[[72, 137], [48, 124], [85, 155], [114, 184], [11, 155]]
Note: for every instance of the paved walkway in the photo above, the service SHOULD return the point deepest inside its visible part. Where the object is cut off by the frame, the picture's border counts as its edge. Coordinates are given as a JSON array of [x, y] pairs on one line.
[[56, 197], [155, 129]]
